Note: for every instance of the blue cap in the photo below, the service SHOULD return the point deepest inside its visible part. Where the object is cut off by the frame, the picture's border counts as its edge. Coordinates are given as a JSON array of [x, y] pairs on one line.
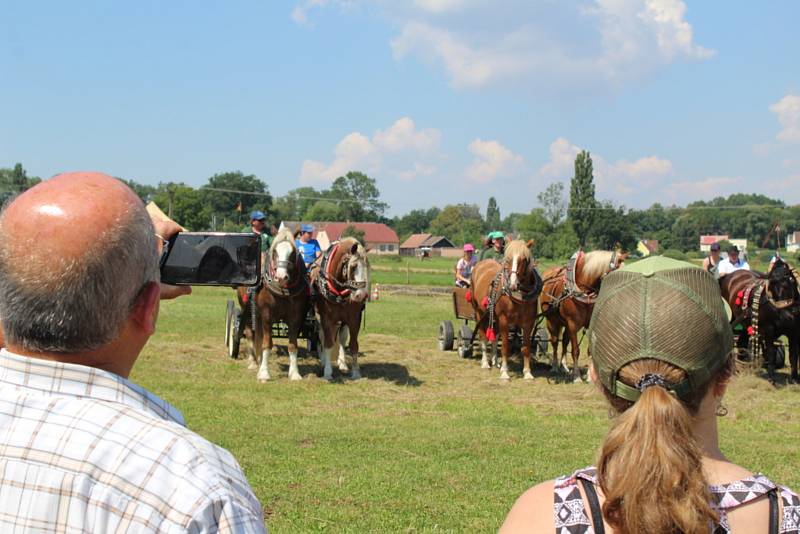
[[257, 216], [307, 228]]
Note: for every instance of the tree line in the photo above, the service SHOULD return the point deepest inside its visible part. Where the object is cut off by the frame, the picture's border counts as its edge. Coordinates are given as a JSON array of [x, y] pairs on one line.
[[561, 221]]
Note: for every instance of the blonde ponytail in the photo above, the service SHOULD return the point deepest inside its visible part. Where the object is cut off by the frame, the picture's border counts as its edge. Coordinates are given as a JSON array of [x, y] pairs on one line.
[[650, 467]]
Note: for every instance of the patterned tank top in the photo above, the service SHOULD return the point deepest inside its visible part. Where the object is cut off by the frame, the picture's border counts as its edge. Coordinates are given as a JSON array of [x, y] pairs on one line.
[[571, 515]]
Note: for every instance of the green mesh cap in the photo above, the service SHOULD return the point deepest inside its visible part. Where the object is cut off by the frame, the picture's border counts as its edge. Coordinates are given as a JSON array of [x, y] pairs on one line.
[[664, 309]]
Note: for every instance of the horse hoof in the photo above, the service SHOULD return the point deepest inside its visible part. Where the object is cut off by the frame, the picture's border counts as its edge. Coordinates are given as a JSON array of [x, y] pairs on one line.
[[252, 366], [355, 376], [485, 365], [262, 380], [577, 380], [504, 376], [344, 369], [328, 378], [527, 376], [295, 376]]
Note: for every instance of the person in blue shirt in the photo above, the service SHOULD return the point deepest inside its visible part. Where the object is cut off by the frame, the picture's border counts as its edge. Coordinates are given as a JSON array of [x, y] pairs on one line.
[[308, 247]]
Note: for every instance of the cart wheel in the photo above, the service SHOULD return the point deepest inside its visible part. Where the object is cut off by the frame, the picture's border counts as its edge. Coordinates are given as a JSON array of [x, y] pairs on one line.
[[780, 356], [542, 341], [446, 335], [234, 337], [464, 342], [228, 320]]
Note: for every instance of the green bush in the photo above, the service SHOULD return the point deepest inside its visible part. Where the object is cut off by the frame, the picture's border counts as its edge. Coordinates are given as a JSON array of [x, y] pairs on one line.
[[675, 254], [695, 255]]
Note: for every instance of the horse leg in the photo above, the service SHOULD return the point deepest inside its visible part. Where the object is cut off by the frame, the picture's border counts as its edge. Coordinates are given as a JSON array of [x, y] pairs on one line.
[[343, 335], [485, 354], [263, 369], [794, 351], [769, 357], [294, 370], [506, 349], [255, 341], [527, 331], [355, 374], [576, 351], [555, 333], [326, 338]]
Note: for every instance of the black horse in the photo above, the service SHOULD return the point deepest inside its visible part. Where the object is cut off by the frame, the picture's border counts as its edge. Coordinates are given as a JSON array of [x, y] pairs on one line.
[[778, 309]]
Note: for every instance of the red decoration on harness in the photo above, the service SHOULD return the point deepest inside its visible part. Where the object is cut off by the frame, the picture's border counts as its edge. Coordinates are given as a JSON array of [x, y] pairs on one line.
[[244, 298], [485, 302], [738, 301], [468, 295], [490, 335], [740, 294], [750, 330]]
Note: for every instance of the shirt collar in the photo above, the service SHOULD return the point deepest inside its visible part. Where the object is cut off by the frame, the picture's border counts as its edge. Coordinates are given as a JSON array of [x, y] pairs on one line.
[[80, 381]]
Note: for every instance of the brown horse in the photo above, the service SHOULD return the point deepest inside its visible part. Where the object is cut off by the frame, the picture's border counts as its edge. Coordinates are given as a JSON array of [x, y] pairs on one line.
[[341, 278], [568, 296], [283, 296], [506, 294]]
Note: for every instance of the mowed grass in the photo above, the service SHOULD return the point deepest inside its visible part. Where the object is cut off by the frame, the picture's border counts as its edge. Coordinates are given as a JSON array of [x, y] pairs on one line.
[[425, 441]]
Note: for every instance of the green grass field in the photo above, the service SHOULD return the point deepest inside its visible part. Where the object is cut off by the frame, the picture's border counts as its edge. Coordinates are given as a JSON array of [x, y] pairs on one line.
[[425, 441]]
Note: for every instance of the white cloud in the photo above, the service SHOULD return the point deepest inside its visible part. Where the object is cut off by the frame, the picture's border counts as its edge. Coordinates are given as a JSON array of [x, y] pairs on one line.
[[439, 6], [788, 111], [401, 150], [492, 159], [620, 178], [546, 45]]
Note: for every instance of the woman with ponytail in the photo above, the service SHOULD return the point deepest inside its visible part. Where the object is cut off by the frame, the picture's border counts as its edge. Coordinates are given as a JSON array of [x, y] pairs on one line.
[[660, 346]]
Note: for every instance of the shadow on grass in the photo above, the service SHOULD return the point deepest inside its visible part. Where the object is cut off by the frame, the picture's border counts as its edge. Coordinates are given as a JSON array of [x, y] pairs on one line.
[[309, 363]]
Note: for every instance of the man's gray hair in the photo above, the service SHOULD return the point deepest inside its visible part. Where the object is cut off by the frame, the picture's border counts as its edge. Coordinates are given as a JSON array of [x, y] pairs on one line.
[[70, 305]]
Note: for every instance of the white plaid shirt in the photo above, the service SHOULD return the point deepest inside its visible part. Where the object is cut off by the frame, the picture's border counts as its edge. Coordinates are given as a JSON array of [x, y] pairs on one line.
[[84, 450]]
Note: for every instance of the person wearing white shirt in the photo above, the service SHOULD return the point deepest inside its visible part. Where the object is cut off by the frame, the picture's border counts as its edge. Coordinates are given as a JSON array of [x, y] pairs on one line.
[[83, 448], [732, 263]]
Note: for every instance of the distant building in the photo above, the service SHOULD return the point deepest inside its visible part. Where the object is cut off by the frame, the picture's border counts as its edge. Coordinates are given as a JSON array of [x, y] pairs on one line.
[[793, 242], [707, 240], [416, 243], [645, 247]]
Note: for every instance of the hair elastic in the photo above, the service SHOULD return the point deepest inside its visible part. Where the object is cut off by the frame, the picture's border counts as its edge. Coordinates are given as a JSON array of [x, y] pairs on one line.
[[650, 379]]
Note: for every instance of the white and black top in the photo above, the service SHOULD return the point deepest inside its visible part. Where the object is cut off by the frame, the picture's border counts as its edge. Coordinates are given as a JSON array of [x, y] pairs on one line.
[[571, 515]]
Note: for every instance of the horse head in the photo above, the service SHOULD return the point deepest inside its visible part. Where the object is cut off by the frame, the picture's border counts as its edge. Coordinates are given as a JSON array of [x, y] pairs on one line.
[[518, 260], [596, 265], [353, 271], [283, 258], [782, 285]]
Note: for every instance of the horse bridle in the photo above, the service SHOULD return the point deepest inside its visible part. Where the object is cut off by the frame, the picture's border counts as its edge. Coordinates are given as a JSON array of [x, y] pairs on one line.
[[274, 286], [783, 303], [527, 291], [332, 288]]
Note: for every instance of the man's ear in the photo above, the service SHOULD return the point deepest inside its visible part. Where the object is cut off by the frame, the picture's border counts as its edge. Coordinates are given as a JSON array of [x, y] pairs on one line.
[[145, 309]]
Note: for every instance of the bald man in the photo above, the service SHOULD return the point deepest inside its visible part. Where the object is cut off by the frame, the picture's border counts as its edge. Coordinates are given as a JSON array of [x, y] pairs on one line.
[[81, 447]]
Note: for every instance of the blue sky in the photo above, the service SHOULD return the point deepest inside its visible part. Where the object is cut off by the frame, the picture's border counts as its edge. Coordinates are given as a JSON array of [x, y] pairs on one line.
[[441, 101]]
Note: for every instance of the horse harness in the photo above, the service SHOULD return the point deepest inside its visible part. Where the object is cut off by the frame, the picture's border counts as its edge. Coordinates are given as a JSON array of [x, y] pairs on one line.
[[571, 289], [520, 296], [327, 284]]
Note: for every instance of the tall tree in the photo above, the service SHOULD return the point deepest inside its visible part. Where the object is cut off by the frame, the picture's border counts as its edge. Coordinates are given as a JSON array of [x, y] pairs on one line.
[[581, 197], [16, 180], [552, 201], [414, 222], [359, 197], [235, 194], [461, 223], [492, 215]]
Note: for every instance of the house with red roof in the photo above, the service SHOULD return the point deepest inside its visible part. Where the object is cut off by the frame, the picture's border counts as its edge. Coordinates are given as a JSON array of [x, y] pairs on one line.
[[379, 238]]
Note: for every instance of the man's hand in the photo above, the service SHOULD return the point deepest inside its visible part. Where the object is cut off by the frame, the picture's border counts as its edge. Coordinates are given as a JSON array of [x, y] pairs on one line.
[[167, 229]]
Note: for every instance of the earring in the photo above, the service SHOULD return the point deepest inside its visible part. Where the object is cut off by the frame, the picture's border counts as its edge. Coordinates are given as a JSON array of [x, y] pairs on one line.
[[722, 410]]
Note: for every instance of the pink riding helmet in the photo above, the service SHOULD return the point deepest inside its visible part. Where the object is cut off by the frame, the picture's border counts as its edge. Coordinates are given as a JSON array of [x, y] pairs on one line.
[[469, 248]]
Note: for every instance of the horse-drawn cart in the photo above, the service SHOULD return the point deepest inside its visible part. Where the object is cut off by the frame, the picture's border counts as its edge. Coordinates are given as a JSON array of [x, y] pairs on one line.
[[236, 322], [463, 341]]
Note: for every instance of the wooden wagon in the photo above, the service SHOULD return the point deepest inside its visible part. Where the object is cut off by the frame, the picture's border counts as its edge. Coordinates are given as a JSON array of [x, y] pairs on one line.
[[463, 341]]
